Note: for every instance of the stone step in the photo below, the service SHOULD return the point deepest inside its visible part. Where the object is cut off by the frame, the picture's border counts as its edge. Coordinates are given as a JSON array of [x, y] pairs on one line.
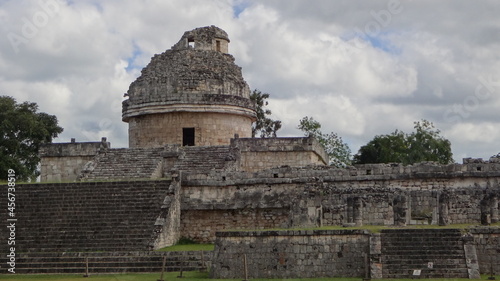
[[408, 275], [119, 216], [406, 250], [421, 251], [408, 263], [110, 262], [387, 259]]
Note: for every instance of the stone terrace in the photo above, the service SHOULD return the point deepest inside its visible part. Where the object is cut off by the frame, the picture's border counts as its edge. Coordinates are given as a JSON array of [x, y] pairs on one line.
[[90, 216], [124, 163], [111, 262], [154, 163], [439, 253], [205, 158]]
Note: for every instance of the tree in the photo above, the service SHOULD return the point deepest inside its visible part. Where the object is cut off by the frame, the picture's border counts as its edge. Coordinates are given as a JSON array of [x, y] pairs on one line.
[[338, 151], [22, 131], [425, 144], [264, 125], [384, 149]]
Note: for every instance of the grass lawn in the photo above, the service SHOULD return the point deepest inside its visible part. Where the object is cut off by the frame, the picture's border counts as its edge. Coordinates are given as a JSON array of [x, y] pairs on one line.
[[374, 228], [189, 247], [189, 276]]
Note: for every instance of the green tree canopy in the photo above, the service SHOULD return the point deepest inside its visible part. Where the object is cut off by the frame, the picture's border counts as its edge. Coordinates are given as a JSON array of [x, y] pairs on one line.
[[337, 150], [22, 131], [425, 144], [264, 126]]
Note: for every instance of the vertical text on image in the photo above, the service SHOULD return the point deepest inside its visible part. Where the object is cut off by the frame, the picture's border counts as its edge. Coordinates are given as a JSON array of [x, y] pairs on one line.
[[11, 220]]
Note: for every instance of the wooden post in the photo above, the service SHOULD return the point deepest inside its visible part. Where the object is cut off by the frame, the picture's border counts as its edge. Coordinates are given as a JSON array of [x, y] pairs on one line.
[[86, 267], [163, 268], [492, 275], [245, 266], [367, 267], [203, 268], [182, 270]]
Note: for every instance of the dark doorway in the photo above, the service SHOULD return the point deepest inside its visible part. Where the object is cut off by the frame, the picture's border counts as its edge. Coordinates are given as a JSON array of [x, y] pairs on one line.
[[188, 136]]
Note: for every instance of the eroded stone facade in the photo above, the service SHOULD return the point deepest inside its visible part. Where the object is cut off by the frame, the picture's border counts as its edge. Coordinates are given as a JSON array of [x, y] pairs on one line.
[[210, 129], [376, 194], [194, 85], [65, 161], [258, 154]]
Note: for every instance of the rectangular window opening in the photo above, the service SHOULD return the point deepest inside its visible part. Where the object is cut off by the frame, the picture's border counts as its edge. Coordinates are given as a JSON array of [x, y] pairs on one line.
[[188, 136], [191, 42], [217, 44]]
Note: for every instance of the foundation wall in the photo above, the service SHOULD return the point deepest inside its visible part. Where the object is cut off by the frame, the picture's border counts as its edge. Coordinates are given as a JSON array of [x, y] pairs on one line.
[[487, 241], [290, 254], [258, 154], [201, 225], [210, 128], [64, 161], [57, 169]]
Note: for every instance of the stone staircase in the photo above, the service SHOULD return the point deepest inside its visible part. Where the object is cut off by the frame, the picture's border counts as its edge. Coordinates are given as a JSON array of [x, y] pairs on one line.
[[438, 253], [205, 158], [125, 163], [86, 216], [110, 262]]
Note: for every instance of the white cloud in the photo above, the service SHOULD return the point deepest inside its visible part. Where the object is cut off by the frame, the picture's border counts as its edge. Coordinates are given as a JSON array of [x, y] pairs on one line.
[[309, 57]]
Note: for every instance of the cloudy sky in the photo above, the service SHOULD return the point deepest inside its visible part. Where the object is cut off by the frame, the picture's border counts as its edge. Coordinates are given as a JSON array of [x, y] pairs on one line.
[[361, 68]]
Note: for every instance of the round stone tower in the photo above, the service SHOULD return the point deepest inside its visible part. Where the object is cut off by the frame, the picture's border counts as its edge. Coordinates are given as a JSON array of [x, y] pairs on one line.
[[192, 94]]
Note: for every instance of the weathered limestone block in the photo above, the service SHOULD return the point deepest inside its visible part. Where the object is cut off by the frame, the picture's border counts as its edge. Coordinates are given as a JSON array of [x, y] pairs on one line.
[[192, 94]]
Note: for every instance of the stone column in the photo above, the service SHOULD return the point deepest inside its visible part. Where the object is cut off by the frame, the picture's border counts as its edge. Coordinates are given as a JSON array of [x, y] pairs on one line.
[[400, 210], [358, 211], [444, 199], [304, 213], [485, 210], [494, 210], [375, 256], [350, 210], [471, 257]]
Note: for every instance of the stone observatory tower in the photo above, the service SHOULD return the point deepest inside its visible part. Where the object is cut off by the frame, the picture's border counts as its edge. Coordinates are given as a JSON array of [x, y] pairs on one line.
[[193, 94]]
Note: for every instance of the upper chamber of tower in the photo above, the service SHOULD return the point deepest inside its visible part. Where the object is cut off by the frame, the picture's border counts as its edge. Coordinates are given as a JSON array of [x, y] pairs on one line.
[[196, 76]]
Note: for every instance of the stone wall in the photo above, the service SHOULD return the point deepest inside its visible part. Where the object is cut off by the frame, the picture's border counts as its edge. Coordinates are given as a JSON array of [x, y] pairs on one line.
[[64, 161], [322, 195], [393, 253], [487, 241], [201, 225], [188, 86], [87, 216], [204, 38], [263, 153], [167, 226], [210, 128], [291, 254]]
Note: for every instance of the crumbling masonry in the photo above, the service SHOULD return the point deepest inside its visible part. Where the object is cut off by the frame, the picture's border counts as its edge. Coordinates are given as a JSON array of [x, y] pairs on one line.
[[192, 170]]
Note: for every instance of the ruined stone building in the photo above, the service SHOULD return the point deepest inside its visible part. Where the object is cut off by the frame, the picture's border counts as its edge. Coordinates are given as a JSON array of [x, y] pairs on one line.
[[189, 110], [192, 170]]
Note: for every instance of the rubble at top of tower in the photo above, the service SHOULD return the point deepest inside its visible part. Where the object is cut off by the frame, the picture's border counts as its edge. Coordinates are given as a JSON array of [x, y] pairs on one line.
[[209, 38], [197, 71]]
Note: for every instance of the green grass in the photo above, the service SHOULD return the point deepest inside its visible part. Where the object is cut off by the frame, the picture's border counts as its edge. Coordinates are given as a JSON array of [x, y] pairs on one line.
[[374, 228], [189, 247], [189, 276], [186, 244]]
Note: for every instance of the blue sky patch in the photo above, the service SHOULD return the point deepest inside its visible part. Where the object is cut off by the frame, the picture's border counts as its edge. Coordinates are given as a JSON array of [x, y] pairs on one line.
[[239, 7], [131, 60]]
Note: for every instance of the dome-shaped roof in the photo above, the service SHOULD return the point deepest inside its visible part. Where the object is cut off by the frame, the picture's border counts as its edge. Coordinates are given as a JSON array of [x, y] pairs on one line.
[[191, 78]]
